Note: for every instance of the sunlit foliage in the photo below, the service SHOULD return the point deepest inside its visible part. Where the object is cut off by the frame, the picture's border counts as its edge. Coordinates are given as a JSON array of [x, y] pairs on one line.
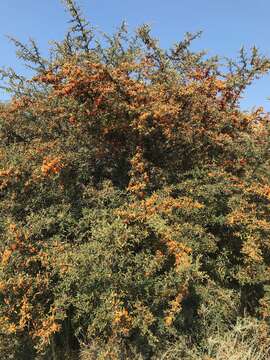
[[134, 197]]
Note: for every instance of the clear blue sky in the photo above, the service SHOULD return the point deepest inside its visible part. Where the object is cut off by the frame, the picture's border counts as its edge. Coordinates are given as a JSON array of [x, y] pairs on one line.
[[226, 25]]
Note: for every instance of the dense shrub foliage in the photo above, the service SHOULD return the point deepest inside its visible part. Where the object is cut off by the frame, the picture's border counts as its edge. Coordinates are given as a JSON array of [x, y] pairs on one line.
[[134, 200]]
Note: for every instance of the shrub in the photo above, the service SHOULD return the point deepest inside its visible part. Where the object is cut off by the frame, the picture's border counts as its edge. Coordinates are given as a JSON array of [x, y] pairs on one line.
[[134, 199]]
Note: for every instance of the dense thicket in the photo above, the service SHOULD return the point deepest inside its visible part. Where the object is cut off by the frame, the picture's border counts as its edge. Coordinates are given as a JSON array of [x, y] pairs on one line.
[[134, 200]]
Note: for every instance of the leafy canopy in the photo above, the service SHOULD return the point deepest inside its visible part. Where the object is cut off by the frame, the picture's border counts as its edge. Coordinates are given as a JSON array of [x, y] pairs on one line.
[[134, 196]]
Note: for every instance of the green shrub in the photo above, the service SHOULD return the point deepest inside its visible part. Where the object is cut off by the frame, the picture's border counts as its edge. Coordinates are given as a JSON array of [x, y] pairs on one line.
[[134, 202]]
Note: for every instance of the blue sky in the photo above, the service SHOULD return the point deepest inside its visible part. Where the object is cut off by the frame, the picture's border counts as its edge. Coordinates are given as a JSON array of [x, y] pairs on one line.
[[226, 24]]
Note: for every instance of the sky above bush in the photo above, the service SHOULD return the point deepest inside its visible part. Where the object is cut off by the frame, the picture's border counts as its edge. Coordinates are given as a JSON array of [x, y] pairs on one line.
[[226, 25]]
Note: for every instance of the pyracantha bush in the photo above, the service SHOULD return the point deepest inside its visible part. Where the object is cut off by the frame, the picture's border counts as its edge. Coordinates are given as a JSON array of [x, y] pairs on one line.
[[134, 198]]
